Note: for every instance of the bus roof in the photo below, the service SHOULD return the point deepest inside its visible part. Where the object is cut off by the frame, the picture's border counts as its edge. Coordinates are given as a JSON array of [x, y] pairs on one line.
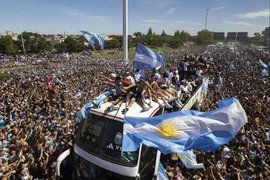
[[135, 110]]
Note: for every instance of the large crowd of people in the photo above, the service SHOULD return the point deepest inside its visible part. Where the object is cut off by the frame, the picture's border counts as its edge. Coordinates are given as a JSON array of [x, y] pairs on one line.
[[39, 106]]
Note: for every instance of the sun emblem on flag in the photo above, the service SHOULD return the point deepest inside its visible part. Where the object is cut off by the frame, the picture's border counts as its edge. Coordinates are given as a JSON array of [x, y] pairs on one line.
[[169, 129]]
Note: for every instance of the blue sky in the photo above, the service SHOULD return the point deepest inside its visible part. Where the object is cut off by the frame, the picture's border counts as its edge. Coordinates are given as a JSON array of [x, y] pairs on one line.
[[105, 16]]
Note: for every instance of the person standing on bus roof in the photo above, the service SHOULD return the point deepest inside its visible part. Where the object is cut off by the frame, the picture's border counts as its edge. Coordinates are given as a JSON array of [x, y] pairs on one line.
[[131, 92], [142, 88]]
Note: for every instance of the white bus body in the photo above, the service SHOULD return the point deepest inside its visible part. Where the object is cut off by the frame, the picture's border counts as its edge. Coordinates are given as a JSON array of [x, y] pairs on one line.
[[97, 148]]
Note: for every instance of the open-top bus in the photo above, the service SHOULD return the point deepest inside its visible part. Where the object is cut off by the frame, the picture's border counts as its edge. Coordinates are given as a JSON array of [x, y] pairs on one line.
[[97, 151]]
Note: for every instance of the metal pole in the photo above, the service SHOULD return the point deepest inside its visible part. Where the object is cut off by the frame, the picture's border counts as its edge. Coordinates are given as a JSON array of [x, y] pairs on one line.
[[158, 155], [21, 32], [206, 18], [125, 29]]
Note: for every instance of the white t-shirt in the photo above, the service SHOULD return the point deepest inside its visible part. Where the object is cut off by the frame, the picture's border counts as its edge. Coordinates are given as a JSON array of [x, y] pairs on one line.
[[131, 79], [199, 72], [189, 86], [185, 66]]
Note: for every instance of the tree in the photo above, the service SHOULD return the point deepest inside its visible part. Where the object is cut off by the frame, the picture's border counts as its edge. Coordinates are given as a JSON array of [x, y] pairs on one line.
[[137, 34], [177, 33], [163, 33], [150, 32], [7, 45], [71, 44], [184, 36], [34, 42], [205, 37], [60, 48], [175, 43], [113, 43]]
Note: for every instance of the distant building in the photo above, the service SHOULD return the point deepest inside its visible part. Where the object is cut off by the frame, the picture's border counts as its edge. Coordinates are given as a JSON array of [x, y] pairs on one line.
[[14, 37], [231, 36], [219, 36], [9, 33], [56, 41], [242, 36], [106, 37], [266, 35]]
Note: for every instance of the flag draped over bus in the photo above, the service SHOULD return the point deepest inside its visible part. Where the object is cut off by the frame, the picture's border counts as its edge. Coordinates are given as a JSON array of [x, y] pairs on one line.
[[185, 130]]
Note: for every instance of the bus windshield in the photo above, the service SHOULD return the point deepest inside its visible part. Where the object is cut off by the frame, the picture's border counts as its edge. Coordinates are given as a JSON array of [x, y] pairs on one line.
[[102, 137]]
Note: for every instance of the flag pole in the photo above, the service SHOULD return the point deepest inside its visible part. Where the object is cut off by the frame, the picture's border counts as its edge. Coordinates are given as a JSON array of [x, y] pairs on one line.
[[97, 52], [158, 155], [125, 30], [21, 32]]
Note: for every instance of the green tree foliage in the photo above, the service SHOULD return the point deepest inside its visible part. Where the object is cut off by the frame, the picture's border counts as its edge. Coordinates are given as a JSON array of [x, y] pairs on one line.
[[34, 42], [204, 37], [6, 76], [8, 45], [71, 44], [150, 32], [113, 43], [137, 34], [163, 33], [60, 48]]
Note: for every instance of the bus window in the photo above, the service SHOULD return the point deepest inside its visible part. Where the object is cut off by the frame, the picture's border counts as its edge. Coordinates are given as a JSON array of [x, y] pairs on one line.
[[147, 162], [85, 170], [102, 137], [111, 145], [90, 135]]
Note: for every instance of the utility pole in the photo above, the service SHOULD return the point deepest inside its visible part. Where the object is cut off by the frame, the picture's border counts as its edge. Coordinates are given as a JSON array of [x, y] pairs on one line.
[[125, 30], [21, 32], [207, 9]]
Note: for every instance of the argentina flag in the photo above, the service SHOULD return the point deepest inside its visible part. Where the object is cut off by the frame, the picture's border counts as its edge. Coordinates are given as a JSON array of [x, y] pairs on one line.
[[265, 72], [145, 58], [184, 130], [220, 82], [161, 174], [92, 38], [262, 63], [84, 113], [232, 68]]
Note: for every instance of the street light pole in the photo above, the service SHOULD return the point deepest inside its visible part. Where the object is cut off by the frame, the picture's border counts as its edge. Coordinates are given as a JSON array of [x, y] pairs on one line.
[[125, 30], [207, 9], [21, 32]]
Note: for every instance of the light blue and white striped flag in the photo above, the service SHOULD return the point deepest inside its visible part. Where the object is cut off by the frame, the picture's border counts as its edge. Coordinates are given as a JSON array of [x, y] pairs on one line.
[[92, 38], [84, 113], [265, 72], [232, 68], [145, 58], [161, 174], [184, 130], [220, 82], [262, 63], [204, 85], [60, 82], [101, 98], [188, 158]]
